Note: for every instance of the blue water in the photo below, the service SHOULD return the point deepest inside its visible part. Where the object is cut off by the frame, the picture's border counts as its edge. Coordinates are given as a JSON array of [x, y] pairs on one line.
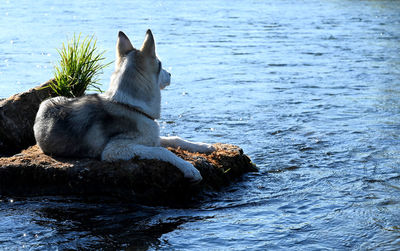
[[309, 89]]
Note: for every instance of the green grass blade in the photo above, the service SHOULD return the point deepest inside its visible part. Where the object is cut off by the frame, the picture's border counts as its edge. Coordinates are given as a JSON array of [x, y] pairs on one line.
[[79, 67]]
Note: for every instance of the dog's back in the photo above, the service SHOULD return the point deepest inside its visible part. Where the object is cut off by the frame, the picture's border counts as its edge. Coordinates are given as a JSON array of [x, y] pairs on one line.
[[77, 127]]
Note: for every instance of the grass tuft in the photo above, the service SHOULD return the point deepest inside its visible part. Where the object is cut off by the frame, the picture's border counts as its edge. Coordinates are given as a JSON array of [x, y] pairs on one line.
[[79, 67]]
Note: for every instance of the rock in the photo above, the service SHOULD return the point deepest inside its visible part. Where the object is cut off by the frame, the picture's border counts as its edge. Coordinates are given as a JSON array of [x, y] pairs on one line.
[[32, 173], [17, 116]]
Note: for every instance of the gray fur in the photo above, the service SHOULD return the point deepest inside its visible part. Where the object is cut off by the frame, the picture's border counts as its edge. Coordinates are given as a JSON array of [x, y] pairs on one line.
[[138, 91], [82, 127], [106, 125], [78, 127]]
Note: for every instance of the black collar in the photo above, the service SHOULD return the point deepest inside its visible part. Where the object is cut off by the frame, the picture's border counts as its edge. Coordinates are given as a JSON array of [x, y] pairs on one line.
[[133, 108]]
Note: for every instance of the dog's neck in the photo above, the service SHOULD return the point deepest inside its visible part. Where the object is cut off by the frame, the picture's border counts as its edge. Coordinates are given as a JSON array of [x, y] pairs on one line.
[[135, 109], [126, 89]]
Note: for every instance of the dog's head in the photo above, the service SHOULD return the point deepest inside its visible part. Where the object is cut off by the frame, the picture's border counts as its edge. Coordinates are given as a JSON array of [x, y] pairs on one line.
[[145, 61]]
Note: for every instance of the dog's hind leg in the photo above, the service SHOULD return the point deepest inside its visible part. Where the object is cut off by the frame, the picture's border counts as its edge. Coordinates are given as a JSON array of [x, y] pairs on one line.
[[126, 149], [176, 142]]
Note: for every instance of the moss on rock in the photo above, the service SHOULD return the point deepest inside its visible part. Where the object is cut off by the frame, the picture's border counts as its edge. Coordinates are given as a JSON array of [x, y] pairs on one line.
[[32, 173]]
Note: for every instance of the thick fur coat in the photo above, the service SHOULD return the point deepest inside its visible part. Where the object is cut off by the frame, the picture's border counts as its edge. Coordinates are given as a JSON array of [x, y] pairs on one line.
[[121, 123]]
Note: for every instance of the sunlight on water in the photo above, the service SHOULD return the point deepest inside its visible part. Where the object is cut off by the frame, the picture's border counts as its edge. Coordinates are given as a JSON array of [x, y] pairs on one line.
[[310, 90]]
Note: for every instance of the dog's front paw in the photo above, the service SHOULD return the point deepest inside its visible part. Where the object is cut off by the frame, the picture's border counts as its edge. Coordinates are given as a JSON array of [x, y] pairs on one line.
[[200, 148], [190, 172], [194, 177], [205, 148]]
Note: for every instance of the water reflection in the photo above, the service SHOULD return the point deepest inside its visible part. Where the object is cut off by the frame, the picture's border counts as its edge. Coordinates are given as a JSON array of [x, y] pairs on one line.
[[76, 223]]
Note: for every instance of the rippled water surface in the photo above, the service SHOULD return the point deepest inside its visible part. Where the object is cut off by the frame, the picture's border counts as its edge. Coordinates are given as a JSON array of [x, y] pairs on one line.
[[309, 89]]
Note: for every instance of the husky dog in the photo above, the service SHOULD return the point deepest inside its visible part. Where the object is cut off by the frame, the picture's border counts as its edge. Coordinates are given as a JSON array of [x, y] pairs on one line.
[[120, 123]]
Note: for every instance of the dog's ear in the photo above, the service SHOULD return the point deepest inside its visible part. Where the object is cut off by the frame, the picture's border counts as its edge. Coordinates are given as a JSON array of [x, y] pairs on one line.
[[123, 45], [149, 47]]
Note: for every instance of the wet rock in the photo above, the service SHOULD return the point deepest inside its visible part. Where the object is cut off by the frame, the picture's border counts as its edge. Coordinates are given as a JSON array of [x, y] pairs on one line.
[[17, 116], [32, 173]]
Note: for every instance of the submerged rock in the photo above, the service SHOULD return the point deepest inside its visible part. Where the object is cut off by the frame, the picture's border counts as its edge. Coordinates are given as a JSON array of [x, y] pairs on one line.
[[32, 173], [17, 116]]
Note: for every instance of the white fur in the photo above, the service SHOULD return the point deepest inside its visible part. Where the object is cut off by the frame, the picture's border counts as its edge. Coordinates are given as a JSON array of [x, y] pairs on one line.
[[164, 79], [147, 145], [115, 93], [126, 149], [176, 142]]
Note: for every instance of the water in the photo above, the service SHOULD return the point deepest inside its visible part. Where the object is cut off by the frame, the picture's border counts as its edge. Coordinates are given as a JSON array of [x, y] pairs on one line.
[[309, 89]]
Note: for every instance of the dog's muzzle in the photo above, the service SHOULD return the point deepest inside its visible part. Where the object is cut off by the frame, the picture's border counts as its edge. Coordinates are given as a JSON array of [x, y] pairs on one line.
[[164, 79]]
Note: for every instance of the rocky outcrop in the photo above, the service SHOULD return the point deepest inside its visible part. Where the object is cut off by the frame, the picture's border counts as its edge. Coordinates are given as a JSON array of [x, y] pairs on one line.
[[33, 173], [17, 115]]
